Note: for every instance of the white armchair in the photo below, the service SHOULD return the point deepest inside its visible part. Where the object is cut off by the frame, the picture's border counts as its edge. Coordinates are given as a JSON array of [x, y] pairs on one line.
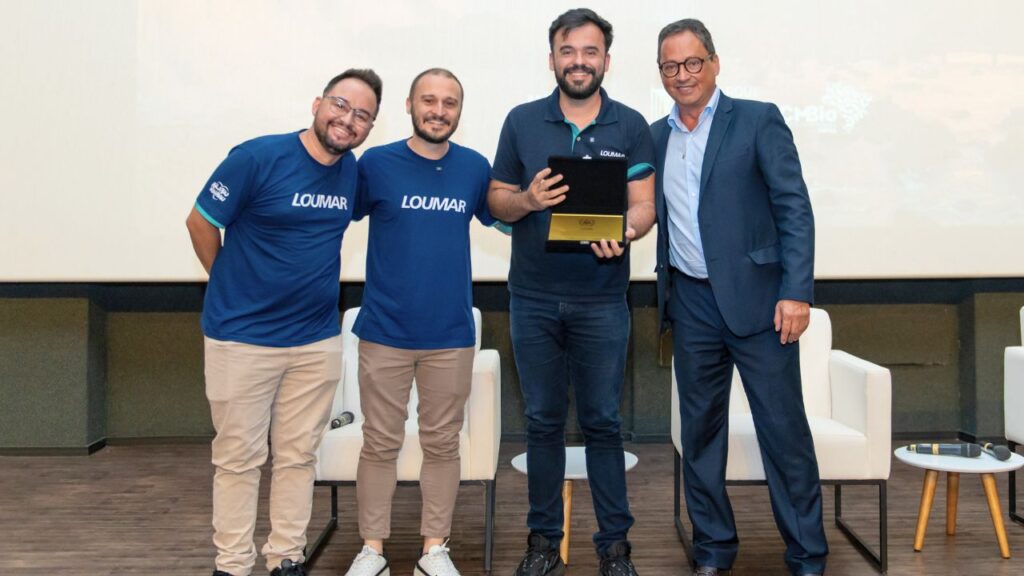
[[1013, 408], [849, 406], [479, 441]]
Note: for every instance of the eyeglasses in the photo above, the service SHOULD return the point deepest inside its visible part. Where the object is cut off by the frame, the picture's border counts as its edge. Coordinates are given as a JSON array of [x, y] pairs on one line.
[[341, 107], [692, 64]]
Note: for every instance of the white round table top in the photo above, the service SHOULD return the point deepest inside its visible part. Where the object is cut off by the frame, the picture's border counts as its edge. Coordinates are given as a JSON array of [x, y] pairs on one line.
[[984, 464], [575, 462]]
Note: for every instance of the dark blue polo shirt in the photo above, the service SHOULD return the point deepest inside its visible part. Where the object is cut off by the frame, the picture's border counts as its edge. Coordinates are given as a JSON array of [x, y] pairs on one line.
[[533, 132]]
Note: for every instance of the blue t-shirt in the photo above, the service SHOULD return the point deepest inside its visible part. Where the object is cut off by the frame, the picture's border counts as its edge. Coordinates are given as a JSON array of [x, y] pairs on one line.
[[533, 132], [275, 281], [418, 293]]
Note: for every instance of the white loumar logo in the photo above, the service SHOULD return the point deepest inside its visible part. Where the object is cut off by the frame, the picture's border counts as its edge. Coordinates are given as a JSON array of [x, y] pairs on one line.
[[612, 154], [320, 201], [433, 203], [219, 191]]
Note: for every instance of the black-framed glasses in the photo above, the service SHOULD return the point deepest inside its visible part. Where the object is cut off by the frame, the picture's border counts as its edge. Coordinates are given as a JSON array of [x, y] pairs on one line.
[[693, 65], [341, 107]]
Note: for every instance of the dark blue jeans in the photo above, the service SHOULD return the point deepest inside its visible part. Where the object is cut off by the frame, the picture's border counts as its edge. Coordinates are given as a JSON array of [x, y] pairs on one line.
[[555, 344]]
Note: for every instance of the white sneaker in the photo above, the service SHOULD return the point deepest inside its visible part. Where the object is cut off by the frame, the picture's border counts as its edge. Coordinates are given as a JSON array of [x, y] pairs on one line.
[[369, 562], [436, 562]]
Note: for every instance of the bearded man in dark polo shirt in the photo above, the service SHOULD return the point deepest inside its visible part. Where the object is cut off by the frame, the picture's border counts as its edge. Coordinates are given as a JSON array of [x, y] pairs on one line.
[[569, 318]]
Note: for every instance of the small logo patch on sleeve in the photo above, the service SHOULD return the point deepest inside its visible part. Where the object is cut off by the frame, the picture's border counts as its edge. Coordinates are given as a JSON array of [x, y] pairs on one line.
[[219, 191]]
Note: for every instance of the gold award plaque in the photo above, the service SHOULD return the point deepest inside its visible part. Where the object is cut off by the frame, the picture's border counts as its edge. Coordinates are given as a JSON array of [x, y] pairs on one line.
[[595, 205], [585, 227]]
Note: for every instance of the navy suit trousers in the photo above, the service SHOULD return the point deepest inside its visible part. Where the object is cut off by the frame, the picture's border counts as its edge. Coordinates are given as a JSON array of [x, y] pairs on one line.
[[705, 353]]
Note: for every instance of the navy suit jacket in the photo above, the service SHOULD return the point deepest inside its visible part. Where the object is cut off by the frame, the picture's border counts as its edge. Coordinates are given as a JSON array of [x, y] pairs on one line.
[[755, 218]]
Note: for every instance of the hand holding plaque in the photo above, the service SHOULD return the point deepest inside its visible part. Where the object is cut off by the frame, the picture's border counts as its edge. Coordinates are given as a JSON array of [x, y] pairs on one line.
[[545, 191], [594, 207]]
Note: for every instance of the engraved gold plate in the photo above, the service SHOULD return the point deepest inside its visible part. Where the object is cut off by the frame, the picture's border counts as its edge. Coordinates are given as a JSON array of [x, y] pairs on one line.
[[585, 227]]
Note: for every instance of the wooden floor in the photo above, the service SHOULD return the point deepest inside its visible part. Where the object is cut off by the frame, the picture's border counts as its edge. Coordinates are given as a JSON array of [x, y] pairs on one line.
[[146, 510]]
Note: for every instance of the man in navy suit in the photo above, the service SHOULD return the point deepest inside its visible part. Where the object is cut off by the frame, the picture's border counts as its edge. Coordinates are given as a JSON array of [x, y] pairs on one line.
[[735, 283]]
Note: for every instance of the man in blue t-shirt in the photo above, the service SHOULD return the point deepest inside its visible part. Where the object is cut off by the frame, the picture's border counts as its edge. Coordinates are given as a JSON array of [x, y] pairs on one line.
[[270, 318], [421, 194], [568, 314]]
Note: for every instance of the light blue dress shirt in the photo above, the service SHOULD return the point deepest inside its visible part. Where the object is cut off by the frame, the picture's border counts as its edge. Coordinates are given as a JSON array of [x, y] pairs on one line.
[[684, 160]]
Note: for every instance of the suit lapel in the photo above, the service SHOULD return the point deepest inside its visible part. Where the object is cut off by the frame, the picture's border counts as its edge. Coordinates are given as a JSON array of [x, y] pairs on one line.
[[719, 126], [659, 160], [663, 131]]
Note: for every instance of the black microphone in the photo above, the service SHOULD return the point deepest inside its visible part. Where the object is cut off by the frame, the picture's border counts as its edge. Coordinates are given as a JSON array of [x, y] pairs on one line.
[[965, 450], [996, 451], [342, 419]]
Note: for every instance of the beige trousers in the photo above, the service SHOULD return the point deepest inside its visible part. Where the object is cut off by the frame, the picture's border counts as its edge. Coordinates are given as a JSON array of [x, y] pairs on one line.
[[443, 380], [253, 390]]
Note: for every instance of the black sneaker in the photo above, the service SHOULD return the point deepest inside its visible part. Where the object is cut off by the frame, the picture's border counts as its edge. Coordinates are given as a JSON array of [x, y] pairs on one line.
[[289, 568], [540, 559], [616, 562]]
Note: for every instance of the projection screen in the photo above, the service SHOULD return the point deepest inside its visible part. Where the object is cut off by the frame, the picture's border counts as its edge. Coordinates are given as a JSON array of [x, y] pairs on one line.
[[909, 116]]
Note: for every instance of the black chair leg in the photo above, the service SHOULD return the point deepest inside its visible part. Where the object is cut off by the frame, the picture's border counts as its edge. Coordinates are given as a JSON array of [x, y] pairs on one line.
[[1013, 489], [489, 524], [879, 559], [312, 552], [684, 537]]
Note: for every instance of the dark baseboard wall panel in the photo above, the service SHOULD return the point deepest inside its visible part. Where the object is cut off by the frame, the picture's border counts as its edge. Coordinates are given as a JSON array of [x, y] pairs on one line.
[[86, 364]]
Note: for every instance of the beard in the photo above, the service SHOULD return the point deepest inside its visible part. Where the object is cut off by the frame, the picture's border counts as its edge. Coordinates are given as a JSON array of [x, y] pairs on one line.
[[433, 138], [579, 92], [332, 147]]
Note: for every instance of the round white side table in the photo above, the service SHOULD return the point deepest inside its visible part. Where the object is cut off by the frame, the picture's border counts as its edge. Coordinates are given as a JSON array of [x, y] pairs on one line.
[[953, 466], [575, 469]]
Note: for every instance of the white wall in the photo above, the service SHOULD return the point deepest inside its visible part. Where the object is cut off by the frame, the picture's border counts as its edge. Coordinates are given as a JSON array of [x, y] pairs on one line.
[[909, 116]]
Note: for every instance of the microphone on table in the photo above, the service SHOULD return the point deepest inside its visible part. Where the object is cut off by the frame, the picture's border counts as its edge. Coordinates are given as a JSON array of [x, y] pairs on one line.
[[965, 450], [996, 451], [342, 419]]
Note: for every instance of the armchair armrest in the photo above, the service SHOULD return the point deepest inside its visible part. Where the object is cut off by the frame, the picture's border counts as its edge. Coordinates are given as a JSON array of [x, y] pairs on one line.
[[338, 404], [862, 400], [675, 427], [484, 415], [1013, 393]]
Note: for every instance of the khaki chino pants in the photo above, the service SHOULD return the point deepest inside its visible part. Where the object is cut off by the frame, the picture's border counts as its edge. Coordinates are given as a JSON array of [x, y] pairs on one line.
[[254, 390], [443, 381]]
